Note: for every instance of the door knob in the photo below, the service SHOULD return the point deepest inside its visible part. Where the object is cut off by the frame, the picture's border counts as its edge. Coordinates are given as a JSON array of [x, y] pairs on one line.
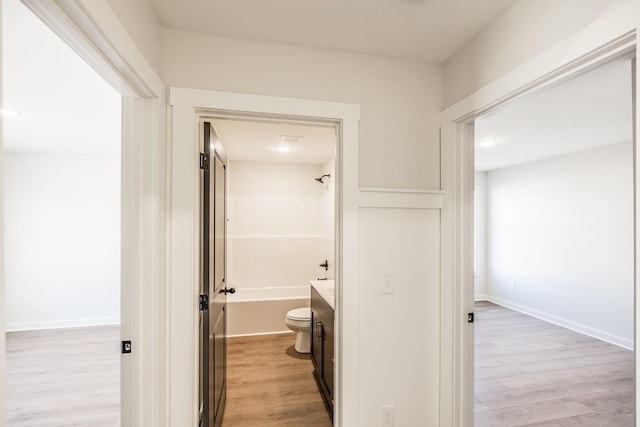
[[228, 291]]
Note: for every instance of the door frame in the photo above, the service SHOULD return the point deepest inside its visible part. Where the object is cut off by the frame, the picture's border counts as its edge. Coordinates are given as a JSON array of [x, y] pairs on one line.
[[611, 37], [94, 32], [188, 105]]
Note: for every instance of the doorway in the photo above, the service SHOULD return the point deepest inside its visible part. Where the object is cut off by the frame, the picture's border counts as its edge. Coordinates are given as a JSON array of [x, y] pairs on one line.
[[62, 242], [459, 180], [183, 363], [281, 237], [114, 56], [559, 253]]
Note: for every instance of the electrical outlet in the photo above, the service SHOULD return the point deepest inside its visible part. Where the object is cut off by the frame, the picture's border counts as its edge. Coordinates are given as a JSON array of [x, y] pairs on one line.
[[387, 415], [513, 287], [388, 282]]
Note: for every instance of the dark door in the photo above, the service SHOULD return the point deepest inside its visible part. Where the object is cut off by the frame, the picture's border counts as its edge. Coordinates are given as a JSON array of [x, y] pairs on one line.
[[213, 301]]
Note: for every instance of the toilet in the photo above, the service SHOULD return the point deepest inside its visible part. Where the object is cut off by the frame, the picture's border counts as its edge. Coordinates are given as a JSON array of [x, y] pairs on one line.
[[299, 321]]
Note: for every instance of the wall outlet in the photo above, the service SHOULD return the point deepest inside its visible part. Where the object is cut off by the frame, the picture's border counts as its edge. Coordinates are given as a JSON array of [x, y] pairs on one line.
[[387, 415], [513, 287], [105, 299], [388, 283]]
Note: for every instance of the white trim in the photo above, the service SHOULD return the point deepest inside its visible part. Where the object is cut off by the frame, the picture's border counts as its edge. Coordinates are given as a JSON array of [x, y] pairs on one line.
[[187, 105], [91, 28], [609, 37], [577, 327], [400, 198], [3, 348], [613, 35]]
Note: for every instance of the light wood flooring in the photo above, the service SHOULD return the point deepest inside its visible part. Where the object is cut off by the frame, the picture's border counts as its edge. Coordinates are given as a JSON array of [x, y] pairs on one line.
[[63, 377], [270, 385], [532, 373], [528, 373]]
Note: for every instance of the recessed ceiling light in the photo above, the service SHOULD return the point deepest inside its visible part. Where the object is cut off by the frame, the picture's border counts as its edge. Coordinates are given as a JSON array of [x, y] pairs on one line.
[[487, 143], [284, 148], [7, 112]]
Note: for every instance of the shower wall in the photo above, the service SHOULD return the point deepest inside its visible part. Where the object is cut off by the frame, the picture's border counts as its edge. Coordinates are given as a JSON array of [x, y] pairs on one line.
[[276, 224], [327, 249]]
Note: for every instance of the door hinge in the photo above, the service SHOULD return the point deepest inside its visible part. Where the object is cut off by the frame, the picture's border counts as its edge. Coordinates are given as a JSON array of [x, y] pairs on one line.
[[470, 318], [126, 347], [204, 302], [204, 161]]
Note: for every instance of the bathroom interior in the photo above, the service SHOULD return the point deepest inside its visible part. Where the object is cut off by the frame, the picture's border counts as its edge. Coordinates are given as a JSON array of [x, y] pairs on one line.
[[281, 236]]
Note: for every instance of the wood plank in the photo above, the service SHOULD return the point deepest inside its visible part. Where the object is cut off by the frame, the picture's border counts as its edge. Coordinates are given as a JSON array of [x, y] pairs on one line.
[[530, 372], [63, 377], [270, 384]]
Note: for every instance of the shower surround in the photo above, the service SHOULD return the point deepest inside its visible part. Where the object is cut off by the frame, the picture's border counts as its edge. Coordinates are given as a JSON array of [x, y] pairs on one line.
[[280, 229]]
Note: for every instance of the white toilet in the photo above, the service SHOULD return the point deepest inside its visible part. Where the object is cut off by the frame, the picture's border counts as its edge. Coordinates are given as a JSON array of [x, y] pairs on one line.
[[299, 321]]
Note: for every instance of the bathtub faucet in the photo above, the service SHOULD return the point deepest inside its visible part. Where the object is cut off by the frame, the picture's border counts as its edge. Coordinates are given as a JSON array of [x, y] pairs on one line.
[[325, 264]]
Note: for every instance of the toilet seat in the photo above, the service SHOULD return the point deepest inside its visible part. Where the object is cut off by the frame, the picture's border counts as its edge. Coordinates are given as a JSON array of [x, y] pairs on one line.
[[303, 314]]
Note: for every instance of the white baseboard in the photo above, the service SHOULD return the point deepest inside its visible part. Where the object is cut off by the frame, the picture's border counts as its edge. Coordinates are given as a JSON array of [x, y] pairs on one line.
[[481, 297], [59, 324], [288, 331], [577, 327]]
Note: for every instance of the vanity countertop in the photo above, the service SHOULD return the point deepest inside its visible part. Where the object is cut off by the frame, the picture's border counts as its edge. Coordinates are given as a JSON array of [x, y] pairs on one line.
[[326, 289]]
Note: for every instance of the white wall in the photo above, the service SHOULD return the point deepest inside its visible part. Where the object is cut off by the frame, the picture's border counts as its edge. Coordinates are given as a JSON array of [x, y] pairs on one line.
[[140, 21], [275, 224], [480, 227], [398, 148], [62, 240], [561, 230], [521, 32], [399, 332], [399, 138]]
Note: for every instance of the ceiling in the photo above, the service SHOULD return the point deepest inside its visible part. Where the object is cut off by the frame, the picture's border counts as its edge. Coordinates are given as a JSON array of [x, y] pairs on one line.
[[428, 30], [255, 141], [65, 105], [587, 112]]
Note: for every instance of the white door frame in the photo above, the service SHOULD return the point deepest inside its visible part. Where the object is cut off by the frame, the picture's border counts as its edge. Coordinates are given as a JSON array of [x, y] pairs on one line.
[[187, 106], [610, 37], [91, 29]]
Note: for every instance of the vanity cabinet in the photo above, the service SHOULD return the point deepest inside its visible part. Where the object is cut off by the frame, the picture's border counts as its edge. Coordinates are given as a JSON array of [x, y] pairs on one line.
[[322, 351]]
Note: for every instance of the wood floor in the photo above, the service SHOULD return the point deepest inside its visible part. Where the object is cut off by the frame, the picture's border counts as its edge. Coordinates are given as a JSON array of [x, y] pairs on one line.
[[63, 377], [269, 385], [528, 373], [71, 377], [533, 373]]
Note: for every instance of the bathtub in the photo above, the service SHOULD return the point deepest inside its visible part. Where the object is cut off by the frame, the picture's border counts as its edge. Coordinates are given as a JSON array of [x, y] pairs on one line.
[[258, 311]]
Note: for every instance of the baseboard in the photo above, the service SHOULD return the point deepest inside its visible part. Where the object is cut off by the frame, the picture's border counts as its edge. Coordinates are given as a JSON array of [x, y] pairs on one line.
[[288, 331], [481, 297], [577, 327], [59, 324]]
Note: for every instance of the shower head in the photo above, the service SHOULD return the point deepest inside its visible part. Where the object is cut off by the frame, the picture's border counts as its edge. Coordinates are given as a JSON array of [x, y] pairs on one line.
[[321, 179]]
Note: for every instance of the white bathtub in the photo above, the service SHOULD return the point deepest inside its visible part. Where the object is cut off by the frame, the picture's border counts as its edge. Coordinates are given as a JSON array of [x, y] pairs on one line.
[[258, 311]]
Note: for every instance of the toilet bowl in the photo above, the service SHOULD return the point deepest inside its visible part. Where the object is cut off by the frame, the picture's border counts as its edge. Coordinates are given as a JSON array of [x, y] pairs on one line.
[[299, 321]]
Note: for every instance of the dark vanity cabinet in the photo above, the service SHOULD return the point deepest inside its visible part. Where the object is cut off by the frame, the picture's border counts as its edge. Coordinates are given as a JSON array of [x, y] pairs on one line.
[[322, 353]]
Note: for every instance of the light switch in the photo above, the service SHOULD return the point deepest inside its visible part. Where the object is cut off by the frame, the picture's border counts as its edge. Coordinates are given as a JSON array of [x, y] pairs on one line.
[[388, 282]]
